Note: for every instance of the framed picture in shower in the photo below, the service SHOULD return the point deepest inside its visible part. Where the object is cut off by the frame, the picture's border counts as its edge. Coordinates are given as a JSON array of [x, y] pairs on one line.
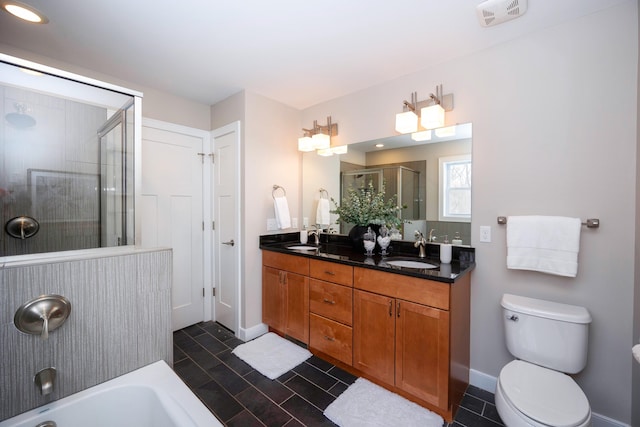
[[60, 196]]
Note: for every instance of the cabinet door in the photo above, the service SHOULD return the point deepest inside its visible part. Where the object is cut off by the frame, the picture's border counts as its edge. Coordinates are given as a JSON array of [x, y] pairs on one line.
[[422, 352], [273, 298], [297, 313], [373, 335]]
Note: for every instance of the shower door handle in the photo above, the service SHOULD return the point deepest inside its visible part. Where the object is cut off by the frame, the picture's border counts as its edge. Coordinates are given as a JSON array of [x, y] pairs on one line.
[[230, 243]]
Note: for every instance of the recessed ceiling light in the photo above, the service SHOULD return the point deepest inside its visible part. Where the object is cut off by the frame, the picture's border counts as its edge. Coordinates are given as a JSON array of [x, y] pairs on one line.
[[25, 12]]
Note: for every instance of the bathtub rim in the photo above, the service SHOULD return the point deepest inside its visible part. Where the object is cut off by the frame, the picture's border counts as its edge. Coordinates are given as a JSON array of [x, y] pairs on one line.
[[158, 375]]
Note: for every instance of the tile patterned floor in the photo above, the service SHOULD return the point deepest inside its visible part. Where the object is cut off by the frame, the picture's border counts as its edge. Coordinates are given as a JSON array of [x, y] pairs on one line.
[[240, 396]]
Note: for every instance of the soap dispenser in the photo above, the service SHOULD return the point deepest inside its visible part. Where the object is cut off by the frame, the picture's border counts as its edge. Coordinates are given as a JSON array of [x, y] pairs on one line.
[[445, 251]]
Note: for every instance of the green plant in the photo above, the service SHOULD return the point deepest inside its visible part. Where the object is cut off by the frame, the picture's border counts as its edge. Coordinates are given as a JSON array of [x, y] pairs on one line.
[[364, 206]]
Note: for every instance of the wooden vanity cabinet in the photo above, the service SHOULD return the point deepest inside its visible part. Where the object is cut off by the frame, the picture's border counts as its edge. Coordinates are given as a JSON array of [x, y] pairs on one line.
[[407, 333], [330, 306], [403, 335], [285, 294]]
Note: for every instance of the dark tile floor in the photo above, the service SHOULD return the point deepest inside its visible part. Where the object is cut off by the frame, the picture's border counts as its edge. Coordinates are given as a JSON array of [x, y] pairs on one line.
[[240, 396]]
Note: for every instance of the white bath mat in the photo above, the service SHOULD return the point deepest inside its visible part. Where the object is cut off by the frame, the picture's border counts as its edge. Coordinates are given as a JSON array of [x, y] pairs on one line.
[[366, 404], [271, 355]]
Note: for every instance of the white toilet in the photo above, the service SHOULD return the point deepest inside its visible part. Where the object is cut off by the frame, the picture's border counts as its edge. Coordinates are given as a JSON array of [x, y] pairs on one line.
[[548, 339]]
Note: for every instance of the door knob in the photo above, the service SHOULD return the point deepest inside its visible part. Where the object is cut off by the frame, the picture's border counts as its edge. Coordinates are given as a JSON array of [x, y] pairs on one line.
[[230, 243]]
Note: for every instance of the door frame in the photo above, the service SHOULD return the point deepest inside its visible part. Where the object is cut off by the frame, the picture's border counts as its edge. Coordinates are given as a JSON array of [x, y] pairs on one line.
[[233, 127]]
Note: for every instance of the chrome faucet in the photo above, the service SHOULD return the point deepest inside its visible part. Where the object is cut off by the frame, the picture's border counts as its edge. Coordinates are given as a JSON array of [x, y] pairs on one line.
[[45, 380], [314, 233], [431, 238], [421, 243]]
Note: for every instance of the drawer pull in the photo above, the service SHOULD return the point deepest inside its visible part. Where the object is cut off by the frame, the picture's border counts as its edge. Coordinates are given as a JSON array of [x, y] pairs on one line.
[[329, 338], [390, 308], [398, 308], [328, 301], [330, 273]]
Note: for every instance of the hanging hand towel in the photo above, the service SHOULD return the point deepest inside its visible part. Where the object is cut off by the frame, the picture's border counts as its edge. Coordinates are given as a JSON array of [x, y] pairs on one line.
[[548, 244], [283, 218], [323, 217]]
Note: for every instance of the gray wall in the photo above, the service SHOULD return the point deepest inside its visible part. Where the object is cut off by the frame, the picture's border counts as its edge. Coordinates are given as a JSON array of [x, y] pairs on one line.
[[120, 320]]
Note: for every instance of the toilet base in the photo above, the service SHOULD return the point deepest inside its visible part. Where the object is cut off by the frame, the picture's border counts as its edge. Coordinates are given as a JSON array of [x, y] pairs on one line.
[[511, 417]]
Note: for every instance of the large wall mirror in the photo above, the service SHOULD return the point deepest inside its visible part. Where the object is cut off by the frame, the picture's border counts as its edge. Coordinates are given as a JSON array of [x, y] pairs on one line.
[[67, 155], [431, 178]]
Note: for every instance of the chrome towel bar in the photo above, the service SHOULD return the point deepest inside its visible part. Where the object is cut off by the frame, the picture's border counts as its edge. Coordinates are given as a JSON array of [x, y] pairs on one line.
[[590, 222]]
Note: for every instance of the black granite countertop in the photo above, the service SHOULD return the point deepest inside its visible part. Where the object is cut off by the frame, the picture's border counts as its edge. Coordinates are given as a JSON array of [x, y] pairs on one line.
[[337, 248]]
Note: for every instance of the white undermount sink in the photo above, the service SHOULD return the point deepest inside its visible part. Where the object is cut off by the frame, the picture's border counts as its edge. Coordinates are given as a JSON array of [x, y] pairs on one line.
[[302, 248], [410, 264]]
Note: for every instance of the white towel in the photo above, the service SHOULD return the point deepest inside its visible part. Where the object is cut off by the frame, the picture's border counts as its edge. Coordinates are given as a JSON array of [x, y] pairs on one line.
[[636, 352], [283, 218], [548, 244], [323, 214]]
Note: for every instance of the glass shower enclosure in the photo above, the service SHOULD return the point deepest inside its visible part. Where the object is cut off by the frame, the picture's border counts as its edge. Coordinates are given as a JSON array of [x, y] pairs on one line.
[[398, 180], [66, 160]]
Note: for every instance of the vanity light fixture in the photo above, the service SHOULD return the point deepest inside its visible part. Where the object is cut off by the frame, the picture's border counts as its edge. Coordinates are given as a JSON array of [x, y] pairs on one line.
[[318, 138], [342, 149], [431, 114], [25, 12], [424, 135]]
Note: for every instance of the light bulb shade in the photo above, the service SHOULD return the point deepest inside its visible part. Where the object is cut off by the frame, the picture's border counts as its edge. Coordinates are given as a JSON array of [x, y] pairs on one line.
[[424, 135], [406, 122], [321, 141], [432, 117], [448, 131], [305, 144], [341, 149]]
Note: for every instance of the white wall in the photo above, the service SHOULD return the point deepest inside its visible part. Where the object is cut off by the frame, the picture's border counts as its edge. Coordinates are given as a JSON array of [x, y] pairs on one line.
[[554, 132], [270, 156]]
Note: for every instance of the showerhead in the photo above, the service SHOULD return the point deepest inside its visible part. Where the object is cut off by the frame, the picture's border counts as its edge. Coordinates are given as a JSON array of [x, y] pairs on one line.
[[20, 119]]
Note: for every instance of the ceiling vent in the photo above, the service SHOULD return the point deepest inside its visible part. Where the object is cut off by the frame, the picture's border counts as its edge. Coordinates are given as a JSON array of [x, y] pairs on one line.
[[494, 12]]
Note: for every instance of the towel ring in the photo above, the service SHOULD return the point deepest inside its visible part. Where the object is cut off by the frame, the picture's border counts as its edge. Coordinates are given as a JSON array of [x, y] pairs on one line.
[[276, 188], [323, 193]]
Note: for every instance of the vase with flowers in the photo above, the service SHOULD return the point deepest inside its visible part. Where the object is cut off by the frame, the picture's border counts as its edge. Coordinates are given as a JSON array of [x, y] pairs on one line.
[[365, 207]]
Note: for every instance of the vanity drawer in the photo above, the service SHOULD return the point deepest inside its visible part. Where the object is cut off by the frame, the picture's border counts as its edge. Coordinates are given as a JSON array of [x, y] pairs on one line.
[[331, 300], [332, 338], [293, 263], [422, 291], [331, 272]]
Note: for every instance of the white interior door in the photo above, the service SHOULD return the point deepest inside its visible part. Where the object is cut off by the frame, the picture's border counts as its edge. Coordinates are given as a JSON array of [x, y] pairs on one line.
[[172, 210], [226, 210]]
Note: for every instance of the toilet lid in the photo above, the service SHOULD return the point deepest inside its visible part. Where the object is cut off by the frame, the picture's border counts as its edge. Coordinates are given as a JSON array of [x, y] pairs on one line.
[[546, 396]]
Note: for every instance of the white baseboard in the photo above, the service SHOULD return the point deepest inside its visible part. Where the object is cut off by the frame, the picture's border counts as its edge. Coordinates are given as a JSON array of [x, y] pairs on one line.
[[482, 380], [252, 332], [598, 420], [488, 383]]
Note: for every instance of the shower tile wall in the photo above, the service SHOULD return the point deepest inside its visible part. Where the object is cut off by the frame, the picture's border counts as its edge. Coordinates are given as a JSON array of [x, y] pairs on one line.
[[64, 139], [120, 320]]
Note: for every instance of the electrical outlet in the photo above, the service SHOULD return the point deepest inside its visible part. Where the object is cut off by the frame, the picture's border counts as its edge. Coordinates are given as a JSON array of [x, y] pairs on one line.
[[485, 233], [272, 225], [294, 222], [305, 222]]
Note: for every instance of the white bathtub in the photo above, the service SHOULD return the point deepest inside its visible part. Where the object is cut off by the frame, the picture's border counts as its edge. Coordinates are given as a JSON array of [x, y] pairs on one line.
[[152, 396]]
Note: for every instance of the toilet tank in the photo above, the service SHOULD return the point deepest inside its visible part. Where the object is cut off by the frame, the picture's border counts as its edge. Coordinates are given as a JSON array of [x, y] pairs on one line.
[[546, 333]]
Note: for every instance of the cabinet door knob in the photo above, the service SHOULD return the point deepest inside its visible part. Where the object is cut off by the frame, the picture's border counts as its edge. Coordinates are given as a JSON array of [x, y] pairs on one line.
[[398, 309], [390, 308]]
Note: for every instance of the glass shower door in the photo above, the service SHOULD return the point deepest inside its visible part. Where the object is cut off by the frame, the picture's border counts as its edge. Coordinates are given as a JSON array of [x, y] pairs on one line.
[[116, 177]]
